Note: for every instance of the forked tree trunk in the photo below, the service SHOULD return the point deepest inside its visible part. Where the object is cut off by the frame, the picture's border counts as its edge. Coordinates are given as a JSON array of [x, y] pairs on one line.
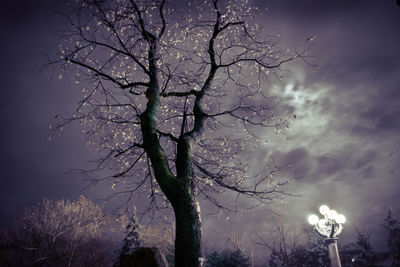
[[188, 229], [179, 188]]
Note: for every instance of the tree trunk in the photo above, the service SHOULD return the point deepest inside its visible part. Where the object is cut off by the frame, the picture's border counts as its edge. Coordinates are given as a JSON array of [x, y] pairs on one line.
[[179, 189], [188, 229]]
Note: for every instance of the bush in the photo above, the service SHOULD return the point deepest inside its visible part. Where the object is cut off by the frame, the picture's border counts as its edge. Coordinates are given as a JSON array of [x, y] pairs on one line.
[[64, 233]]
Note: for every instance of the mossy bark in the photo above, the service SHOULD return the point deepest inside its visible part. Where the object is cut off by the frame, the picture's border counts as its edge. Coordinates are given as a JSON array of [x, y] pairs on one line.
[[188, 230], [180, 188]]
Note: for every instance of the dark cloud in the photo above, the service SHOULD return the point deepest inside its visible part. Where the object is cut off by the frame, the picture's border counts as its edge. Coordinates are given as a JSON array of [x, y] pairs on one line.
[[348, 159], [365, 159], [328, 166], [297, 162], [348, 116]]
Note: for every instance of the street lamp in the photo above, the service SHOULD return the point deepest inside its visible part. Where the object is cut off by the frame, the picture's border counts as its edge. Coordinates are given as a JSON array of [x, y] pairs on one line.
[[329, 227]]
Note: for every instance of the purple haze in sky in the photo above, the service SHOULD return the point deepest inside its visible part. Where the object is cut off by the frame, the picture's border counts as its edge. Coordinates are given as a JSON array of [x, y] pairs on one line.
[[344, 143]]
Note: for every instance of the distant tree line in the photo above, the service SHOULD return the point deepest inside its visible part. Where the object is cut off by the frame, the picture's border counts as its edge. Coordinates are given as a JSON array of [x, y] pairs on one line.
[[289, 252], [227, 258], [77, 233], [80, 233], [288, 249]]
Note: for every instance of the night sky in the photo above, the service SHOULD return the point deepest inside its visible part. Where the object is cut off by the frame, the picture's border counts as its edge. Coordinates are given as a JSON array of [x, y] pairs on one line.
[[343, 145]]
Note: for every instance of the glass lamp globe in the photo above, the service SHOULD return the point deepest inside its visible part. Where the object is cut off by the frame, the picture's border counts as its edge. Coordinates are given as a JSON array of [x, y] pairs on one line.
[[332, 214], [324, 209], [313, 219], [322, 224], [340, 218]]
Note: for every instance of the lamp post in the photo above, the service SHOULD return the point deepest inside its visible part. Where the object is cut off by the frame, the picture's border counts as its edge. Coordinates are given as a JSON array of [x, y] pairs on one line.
[[329, 227]]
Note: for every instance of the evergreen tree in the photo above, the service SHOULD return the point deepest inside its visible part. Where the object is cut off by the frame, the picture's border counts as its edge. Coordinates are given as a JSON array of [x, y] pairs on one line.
[[276, 259], [132, 240], [392, 224], [237, 259], [214, 259], [228, 258], [299, 257], [317, 252], [361, 253]]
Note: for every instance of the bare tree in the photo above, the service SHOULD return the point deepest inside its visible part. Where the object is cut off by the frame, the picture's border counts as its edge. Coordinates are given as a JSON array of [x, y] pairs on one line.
[[286, 245], [66, 233], [239, 240], [173, 100]]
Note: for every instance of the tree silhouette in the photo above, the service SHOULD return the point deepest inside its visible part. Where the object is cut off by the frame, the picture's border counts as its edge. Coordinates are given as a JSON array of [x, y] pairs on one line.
[[214, 259], [173, 100], [238, 259], [285, 244], [361, 252], [392, 225], [228, 258], [316, 250], [132, 239], [64, 233]]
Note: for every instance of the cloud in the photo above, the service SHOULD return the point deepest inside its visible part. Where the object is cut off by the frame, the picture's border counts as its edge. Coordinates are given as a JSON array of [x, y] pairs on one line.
[[311, 9]]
